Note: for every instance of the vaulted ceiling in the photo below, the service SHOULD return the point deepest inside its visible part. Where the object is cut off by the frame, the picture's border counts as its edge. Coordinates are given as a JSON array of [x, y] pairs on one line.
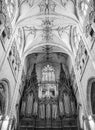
[[43, 27], [46, 22]]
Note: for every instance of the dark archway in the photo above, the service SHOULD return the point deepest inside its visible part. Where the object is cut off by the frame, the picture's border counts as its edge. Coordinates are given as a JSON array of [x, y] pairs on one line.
[[91, 96], [4, 97]]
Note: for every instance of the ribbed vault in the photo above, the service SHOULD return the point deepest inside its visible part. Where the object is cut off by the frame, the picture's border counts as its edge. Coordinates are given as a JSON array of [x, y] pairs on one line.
[[45, 22]]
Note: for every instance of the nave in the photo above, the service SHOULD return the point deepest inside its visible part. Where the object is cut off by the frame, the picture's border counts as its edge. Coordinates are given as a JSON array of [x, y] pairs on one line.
[[47, 64]]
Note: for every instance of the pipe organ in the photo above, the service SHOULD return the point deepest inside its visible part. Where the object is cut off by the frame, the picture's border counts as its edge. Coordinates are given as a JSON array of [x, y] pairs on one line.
[[47, 100], [43, 110]]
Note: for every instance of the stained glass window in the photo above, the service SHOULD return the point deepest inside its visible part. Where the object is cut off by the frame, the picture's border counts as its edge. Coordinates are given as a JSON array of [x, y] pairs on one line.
[[48, 87]]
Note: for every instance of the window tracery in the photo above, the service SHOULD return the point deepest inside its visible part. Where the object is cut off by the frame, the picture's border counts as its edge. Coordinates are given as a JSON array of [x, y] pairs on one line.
[[48, 74], [48, 87]]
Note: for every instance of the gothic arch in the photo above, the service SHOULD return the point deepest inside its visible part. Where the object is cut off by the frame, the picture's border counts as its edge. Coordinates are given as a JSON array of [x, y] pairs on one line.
[[4, 96], [58, 46], [90, 92]]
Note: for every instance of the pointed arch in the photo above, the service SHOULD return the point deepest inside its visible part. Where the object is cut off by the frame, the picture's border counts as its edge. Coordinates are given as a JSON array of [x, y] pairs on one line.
[[5, 96], [91, 95]]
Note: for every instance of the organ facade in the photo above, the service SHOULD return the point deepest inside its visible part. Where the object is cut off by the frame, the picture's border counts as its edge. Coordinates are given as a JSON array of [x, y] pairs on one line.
[[50, 99]]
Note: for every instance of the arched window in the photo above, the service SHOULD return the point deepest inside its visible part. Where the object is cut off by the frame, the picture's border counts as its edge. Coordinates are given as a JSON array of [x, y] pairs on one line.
[[48, 73], [4, 97], [48, 87], [93, 97]]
